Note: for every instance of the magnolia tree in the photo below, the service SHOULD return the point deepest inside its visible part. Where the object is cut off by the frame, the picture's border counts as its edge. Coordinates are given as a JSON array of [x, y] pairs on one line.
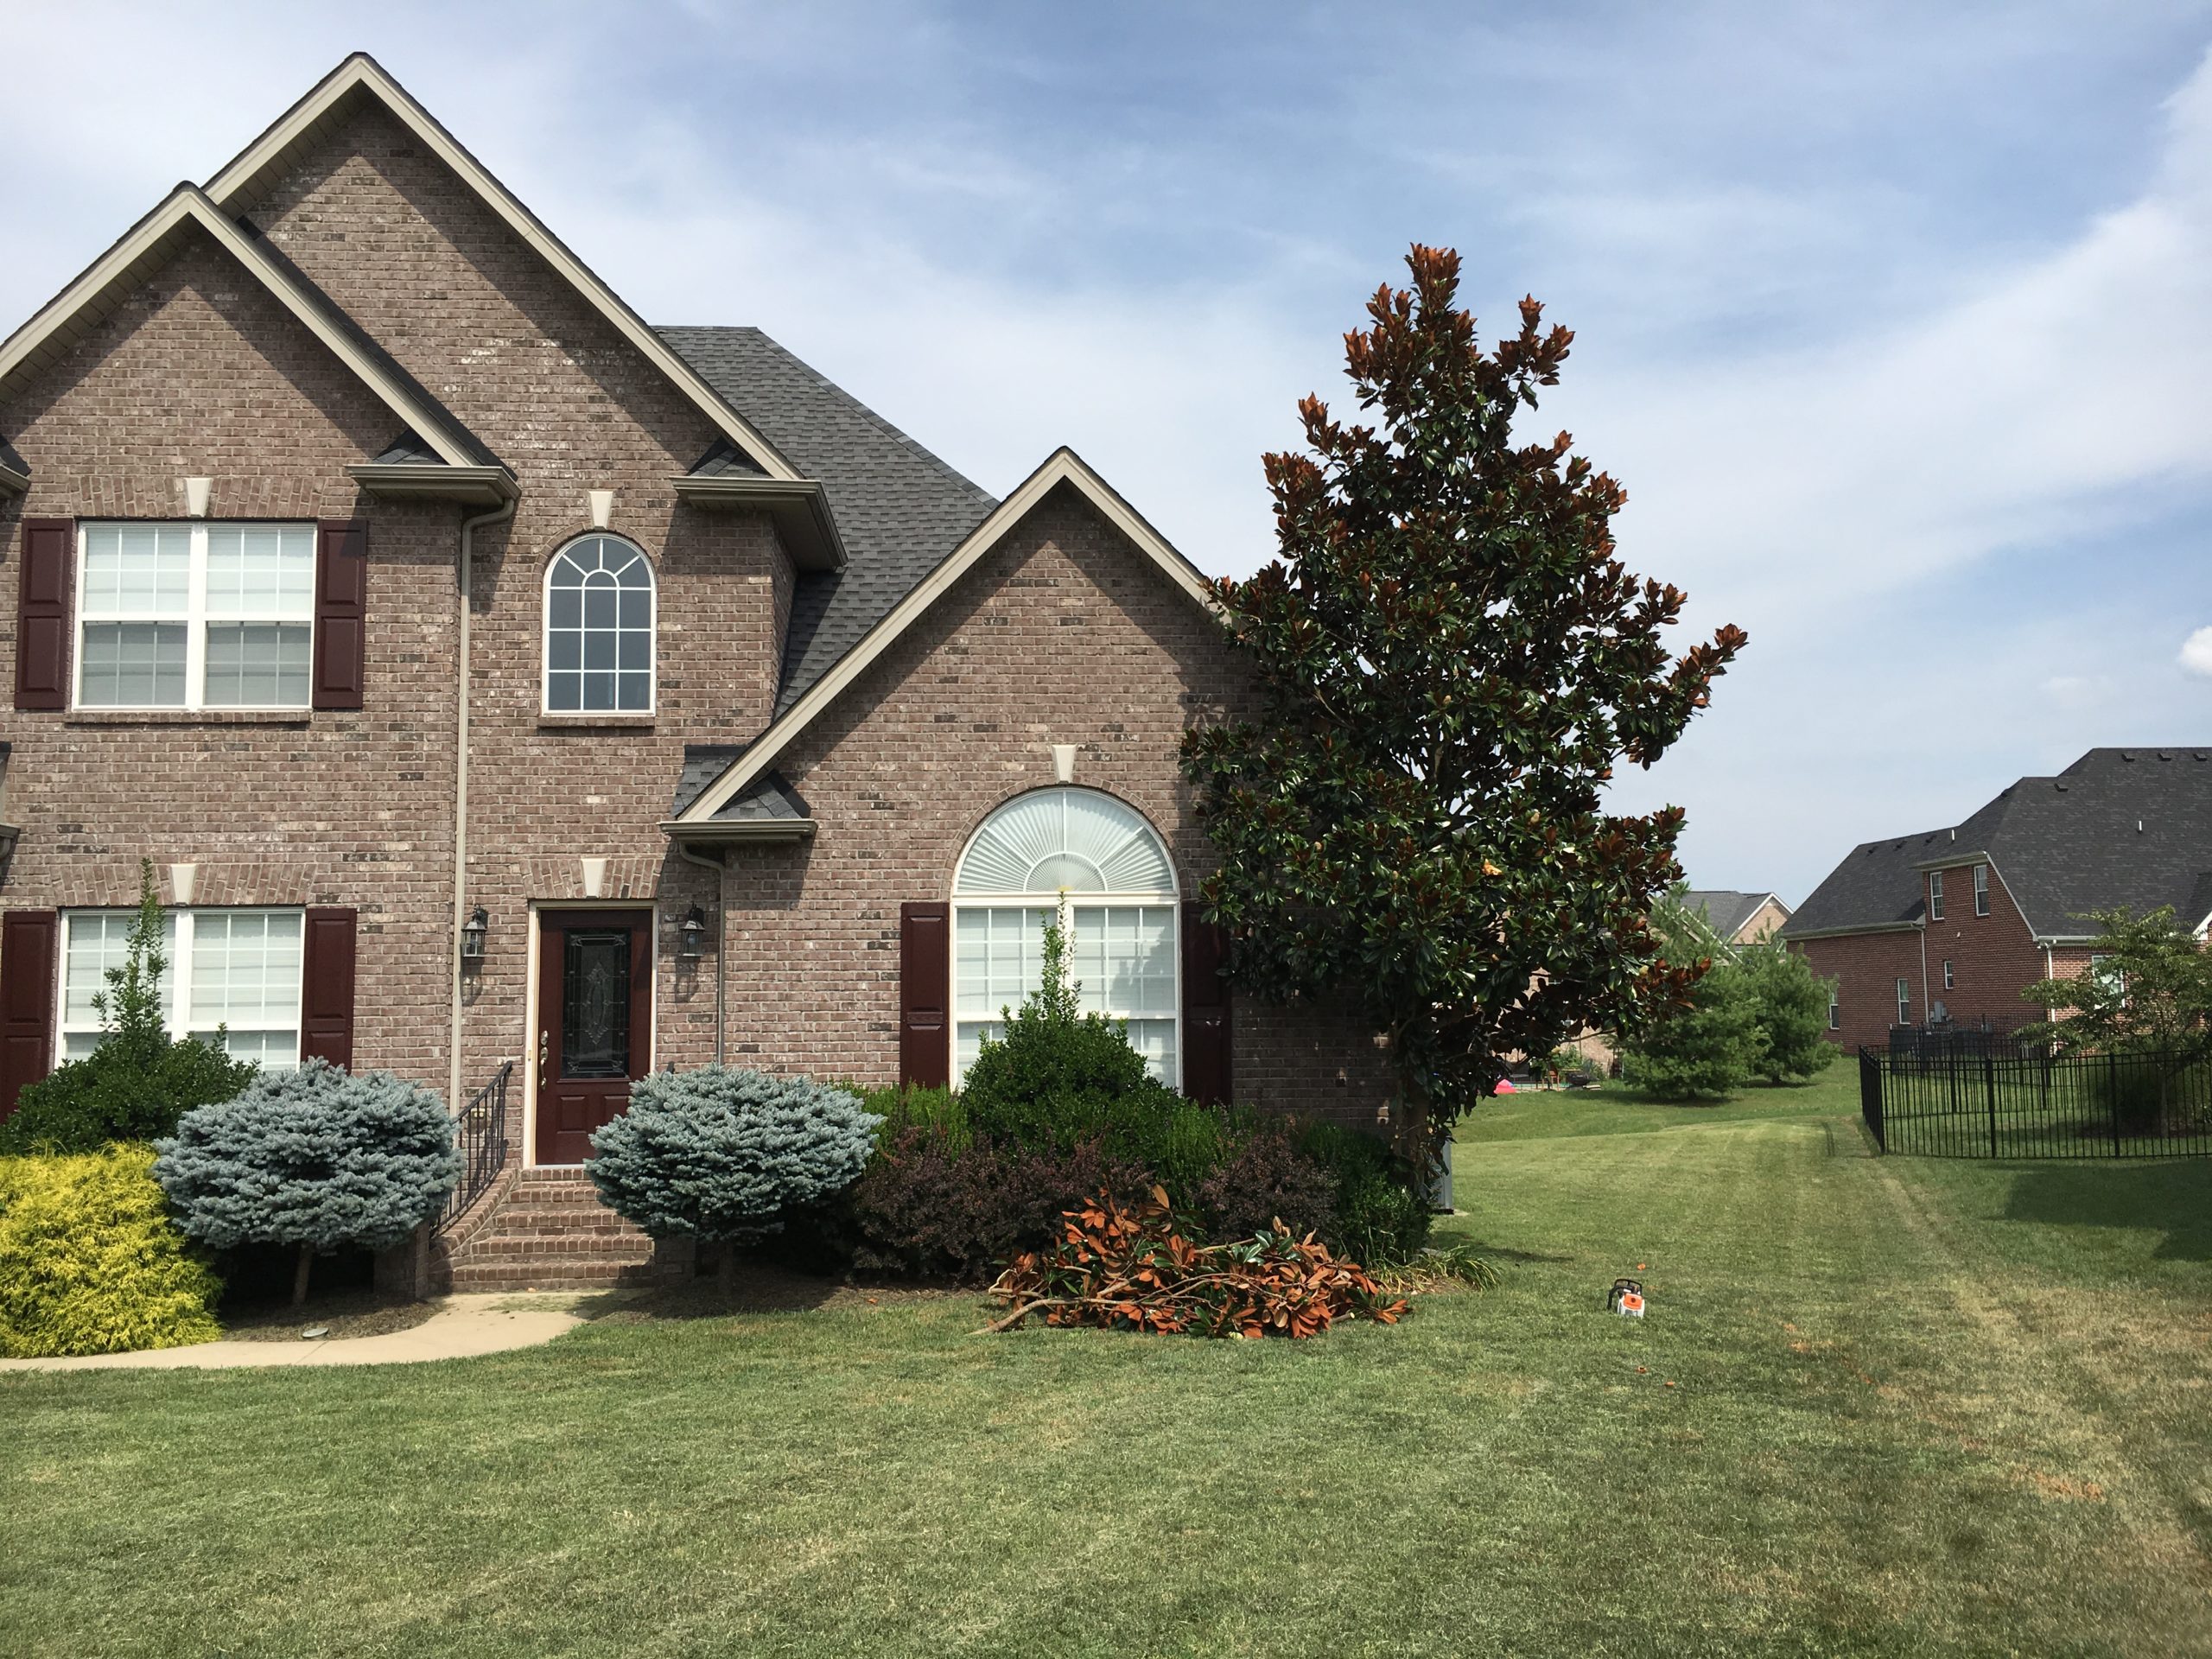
[[315, 1158], [1451, 662]]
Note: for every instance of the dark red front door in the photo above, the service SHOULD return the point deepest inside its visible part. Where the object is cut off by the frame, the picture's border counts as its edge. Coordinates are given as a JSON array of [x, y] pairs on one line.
[[595, 1023]]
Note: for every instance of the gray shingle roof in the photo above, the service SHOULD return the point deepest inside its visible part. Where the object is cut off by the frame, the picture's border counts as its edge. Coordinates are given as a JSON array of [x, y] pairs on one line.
[[2129, 827], [767, 799], [1723, 912], [900, 509]]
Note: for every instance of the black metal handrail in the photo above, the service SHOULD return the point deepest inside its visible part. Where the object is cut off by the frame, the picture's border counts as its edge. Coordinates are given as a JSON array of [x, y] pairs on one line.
[[481, 1133], [2018, 1100]]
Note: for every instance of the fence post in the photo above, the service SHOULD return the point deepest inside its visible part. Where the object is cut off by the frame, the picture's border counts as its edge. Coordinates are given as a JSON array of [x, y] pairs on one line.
[[1870, 1097], [1989, 1082], [2112, 1101]]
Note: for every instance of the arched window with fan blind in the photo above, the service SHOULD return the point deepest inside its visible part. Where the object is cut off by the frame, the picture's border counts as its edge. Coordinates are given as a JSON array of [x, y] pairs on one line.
[[1096, 863]]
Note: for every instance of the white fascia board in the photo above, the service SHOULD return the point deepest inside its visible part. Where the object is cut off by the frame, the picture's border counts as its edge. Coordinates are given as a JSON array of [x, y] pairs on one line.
[[1064, 467], [126, 264], [362, 73]]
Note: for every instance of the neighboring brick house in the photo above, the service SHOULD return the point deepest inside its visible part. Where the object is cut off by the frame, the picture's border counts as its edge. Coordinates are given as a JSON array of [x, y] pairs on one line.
[[391, 586], [1739, 918], [1951, 925]]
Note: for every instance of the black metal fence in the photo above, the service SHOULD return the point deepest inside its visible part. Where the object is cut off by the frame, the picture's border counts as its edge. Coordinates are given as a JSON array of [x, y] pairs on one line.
[[2027, 1102], [480, 1132]]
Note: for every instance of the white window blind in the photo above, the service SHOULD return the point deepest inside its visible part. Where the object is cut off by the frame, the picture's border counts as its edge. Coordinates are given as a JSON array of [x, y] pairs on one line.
[[235, 972], [196, 616]]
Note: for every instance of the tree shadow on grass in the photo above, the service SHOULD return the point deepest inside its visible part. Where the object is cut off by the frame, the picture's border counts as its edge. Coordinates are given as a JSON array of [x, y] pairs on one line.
[[2174, 1197]]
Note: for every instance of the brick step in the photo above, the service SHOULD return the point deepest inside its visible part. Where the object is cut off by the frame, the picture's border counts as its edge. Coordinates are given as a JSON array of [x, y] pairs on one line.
[[569, 1276]]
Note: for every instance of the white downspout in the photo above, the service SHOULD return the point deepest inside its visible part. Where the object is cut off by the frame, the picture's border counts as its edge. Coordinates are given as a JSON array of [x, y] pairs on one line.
[[468, 527]]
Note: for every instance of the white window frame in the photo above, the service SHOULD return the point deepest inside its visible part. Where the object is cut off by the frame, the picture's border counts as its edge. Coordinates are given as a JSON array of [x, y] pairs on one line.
[[1904, 1001], [1064, 902], [1949, 982], [1835, 1008], [196, 617], [1982, 889], [176, 1000], [545, 635], [1935, 895]]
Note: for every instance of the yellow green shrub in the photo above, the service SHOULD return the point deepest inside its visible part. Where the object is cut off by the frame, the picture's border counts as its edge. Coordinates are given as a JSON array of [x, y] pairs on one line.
[[90, 1261]]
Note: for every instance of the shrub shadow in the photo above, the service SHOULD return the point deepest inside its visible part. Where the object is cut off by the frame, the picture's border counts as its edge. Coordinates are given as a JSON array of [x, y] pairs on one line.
[[2175, 1198]]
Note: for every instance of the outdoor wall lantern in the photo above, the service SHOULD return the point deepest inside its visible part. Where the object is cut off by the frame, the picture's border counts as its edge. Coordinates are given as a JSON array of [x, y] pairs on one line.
[[695, 933], [472, 935], [9, 835]]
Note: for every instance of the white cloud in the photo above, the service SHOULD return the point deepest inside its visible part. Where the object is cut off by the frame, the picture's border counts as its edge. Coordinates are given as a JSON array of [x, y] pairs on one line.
[[2197, 653]]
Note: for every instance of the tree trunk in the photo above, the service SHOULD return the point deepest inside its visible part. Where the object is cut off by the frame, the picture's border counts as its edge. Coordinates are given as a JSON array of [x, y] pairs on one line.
[[299, 1274]]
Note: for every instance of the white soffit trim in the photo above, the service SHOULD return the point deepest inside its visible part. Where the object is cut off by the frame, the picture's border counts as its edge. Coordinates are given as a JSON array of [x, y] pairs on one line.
[[149, 246], [244, 181], [1064, 467]]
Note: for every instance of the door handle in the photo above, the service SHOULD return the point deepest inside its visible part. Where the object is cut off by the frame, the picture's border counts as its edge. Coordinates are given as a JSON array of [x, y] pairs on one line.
[[544, 1051]]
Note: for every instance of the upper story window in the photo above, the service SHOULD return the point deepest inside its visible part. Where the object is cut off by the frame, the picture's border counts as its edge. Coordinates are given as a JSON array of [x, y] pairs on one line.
[[599, 629], [1982, 889], [235, 972], [1935, 895], [1105, 871], [196, 616]]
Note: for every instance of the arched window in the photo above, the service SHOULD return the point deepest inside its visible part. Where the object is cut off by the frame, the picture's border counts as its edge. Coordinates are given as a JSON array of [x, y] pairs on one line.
[[598, 628], [1105, 870]]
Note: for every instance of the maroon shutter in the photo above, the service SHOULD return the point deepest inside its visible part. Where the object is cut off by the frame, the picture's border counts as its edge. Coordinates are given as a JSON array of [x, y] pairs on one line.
[[341, 607], [42, 613], [1206, 1010], [326, 988], [925, 993], [28, 942]]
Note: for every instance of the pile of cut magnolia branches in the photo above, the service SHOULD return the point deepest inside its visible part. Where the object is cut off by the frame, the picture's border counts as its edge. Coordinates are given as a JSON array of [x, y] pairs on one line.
[[1134, 1268]]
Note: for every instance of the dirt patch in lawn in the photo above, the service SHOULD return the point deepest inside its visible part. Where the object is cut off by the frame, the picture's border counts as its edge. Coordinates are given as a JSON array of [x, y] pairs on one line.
[[351, 1313]]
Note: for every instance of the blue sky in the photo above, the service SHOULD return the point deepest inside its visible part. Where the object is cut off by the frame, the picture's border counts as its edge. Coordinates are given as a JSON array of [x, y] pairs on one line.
[[1896, 321]]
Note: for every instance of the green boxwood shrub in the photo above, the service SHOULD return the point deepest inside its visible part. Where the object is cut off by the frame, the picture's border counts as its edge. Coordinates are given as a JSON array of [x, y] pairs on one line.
[[725, 1154], [1061, 1076], [315, 1158], [90, 1261]]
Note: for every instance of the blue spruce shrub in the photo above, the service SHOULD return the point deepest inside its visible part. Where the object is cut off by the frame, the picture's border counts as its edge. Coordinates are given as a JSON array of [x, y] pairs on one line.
[[725, 1154], [316, 1159]]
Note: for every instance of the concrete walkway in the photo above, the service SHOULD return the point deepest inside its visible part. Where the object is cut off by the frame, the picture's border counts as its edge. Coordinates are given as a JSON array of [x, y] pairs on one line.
[[463, 1328]]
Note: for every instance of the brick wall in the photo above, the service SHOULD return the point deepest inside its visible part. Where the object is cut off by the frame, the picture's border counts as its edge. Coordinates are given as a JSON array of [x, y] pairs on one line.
[[1867, 967], [1992, 956], [201, 374]]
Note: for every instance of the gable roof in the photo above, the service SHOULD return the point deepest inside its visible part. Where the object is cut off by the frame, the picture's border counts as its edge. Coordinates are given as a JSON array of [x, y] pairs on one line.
[[254, 171], [900, 509], [1726, 912], [155, 239], [1062, 466], [2130, 827]]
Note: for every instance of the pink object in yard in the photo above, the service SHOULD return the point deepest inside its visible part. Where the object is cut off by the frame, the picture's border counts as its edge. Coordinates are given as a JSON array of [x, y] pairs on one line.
[[1504, 1087]]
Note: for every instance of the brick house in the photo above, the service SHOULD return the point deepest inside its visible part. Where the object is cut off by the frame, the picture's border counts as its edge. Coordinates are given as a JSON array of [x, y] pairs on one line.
[[490, 676], [1952, 924], [1737, 918]]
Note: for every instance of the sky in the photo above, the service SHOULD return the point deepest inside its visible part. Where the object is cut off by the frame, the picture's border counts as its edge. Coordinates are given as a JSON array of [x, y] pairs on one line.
[[1894, 321]]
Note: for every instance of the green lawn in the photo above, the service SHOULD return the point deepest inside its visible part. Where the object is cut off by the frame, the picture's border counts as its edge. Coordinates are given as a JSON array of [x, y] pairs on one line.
[[1920, 1409]]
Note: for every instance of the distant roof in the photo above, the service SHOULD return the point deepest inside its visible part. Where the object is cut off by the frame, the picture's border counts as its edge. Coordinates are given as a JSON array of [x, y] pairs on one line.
[[1725, 912], [900, 509], [2119, 827]]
